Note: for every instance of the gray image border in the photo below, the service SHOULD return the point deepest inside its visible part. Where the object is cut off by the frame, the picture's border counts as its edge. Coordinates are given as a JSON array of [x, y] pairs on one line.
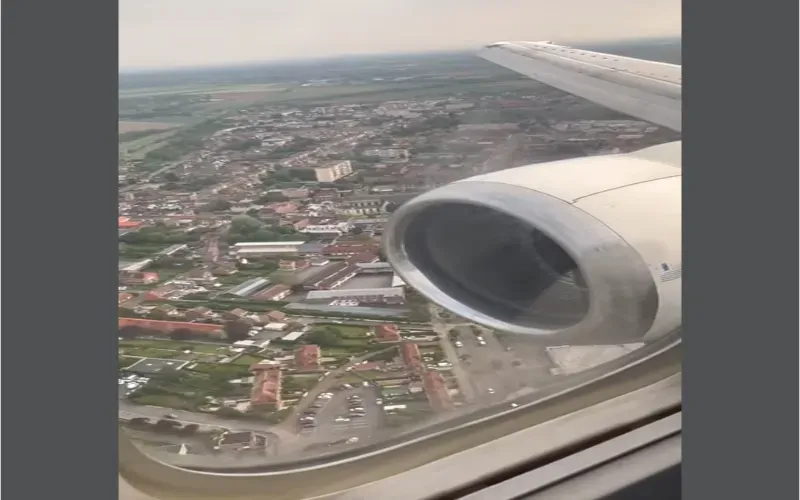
[[740, 412], [59, 219], [740, 249]]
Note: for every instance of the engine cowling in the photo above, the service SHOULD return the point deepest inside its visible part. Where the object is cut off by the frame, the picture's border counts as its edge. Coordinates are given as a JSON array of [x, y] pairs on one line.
[[586, 250]]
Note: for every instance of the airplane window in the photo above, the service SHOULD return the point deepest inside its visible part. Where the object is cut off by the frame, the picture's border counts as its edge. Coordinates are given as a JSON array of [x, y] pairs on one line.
[[324, 250]]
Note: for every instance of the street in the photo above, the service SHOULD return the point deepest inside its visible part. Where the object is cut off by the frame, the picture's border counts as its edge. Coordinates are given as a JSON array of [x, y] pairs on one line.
[[130, 410]]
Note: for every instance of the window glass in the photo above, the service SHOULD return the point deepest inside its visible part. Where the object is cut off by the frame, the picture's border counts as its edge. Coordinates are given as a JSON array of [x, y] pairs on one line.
[[286, 289]]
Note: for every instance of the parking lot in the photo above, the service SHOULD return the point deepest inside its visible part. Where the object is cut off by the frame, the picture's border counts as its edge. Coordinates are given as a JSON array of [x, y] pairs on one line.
[[502, 365], [333, 420]]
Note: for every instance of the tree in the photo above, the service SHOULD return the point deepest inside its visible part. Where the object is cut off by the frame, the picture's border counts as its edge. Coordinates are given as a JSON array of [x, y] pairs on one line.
[[236, 330], [245, 224], [271, 197], [189, 429], [229, 412], [327, 337], [158, 315], [131, 332], [139, 423], [216, 206], [125, 312], [181, 334], [165, 425]]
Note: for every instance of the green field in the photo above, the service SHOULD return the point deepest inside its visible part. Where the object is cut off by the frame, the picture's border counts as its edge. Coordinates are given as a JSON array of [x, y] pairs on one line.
[[137, 148], [197, 90], [130, 349]]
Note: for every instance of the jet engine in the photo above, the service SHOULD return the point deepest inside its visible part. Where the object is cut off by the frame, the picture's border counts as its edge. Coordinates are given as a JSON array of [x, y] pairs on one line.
[[586, 250]]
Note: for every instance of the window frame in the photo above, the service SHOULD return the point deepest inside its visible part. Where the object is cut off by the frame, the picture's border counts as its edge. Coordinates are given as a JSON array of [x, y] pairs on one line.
[[610, 395]]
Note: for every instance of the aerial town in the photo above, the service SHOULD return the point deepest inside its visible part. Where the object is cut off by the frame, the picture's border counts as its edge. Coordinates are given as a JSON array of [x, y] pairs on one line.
[[257, 314]]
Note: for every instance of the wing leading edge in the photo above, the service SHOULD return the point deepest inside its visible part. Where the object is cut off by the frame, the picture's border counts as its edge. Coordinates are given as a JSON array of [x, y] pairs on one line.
[[643, 89]]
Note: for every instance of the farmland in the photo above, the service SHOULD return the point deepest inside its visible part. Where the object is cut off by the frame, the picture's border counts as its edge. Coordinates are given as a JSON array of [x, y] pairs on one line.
[[134, 126]]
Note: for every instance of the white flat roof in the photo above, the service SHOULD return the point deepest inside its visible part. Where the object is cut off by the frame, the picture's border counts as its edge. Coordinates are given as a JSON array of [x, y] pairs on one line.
[[275, 326], [268, 243], [294, 335]]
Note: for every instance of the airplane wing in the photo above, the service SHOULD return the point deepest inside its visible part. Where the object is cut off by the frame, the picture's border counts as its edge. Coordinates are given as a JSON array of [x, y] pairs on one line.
[[647, 90]]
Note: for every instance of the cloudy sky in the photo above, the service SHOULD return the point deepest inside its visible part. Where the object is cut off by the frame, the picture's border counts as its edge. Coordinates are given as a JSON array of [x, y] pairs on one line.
[[166, 33]]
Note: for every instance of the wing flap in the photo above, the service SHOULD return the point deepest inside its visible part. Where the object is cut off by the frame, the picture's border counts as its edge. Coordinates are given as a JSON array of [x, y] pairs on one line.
[[646, 90]]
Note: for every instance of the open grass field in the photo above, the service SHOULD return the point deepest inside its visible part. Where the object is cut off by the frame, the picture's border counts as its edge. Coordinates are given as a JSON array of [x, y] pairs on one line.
[[134, 126]]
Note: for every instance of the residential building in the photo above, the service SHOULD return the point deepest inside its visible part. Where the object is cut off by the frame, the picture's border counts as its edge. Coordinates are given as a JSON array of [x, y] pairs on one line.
[[272, 317], [411, 356], [361, 206], [333, 229], [293, 265], [235, 314], [161, 292], [436, 391], [266, 386], [198, 313], [307, 357], [137, 278], [280, 208], [127, 223], [333, 171], [387, 333], [170, 326]]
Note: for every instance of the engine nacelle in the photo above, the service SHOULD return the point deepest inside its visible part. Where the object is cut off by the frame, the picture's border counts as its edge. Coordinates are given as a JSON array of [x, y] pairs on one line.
[[579, 251]]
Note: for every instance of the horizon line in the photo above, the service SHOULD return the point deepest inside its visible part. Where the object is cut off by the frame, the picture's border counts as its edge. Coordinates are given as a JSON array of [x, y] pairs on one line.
[[212, 66]]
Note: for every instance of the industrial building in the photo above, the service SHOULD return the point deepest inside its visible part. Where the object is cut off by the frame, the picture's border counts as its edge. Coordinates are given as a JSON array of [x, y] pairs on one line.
[[369, 295], [375, 267], [251, 249], [273, 293], [361, 311], [248, 288], [331, 277]]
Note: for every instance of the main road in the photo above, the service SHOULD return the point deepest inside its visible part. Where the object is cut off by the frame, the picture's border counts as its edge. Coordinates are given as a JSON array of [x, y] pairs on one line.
[[130, 410]]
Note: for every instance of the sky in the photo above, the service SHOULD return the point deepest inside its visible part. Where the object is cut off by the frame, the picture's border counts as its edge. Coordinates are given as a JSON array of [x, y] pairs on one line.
[[174, 33]]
